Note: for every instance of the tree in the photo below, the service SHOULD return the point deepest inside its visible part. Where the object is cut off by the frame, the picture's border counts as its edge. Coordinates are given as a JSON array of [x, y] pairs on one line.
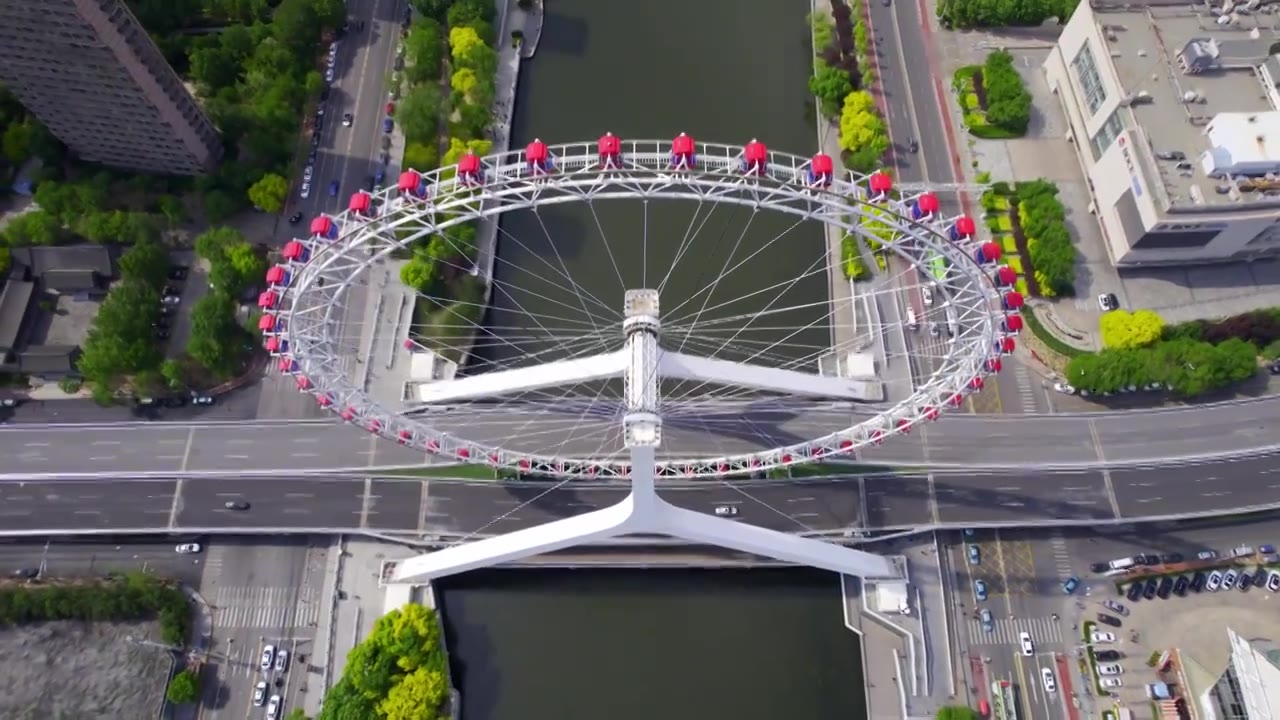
[[296, 714], [419, 275], [458, 148], [217, 341], [424, 48], [344, 702], [147, 262], [120, 340], [219, 205], [956, 712], [418, 113], [468, 49], [1122, 329], [183, 688], [862, 132], [418, 696], [830, 85], [463, 81], [36, 227], [171, 208], [17, 141], [470, 13], [212, 243], [1008, 104], [269, 192], [247, 263]]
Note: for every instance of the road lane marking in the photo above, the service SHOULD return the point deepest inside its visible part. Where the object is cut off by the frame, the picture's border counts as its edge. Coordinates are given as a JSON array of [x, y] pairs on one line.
[[87, 512], [237, 457], [365, 501], [304, 455], [1106, 474], [105, 442], [103, 457], [36, 444], [177, 502], [186, 453]]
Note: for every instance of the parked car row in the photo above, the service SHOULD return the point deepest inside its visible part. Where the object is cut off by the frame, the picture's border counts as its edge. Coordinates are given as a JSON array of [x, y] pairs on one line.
[[277, 660], [1203, 581]]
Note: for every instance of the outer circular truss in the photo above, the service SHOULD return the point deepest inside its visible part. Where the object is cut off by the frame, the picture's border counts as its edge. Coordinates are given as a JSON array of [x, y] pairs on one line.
[[306, 292]]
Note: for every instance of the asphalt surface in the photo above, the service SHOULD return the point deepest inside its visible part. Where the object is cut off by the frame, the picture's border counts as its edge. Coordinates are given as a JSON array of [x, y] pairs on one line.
[[418, 506]]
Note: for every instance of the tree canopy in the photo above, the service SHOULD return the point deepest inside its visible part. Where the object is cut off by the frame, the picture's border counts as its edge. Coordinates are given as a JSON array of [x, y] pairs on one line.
[[1008, 104], [1122, 329], [1186, 367], [862, 132], [996, 13], [956, 712], [269, 192], [183, 688], [1042, 222]]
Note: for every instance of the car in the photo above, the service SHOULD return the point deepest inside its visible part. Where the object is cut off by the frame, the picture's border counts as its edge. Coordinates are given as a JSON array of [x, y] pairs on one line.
[[1173, 155], [1206, 555], [164, 311], [1273, 581], [324, 94], [187, 549], [975, 555], [273, 708], [333, 188], [1108, 302], [174, 401], [1244, 582], [306, 191], [1110, 669], [1180, 585], [260, 693], [1046, 675], [10, 402], [980, 589], [205, 400], [391, 107], [177, 273], [1102, 637], [1024, 641], [268, 657], [1135, 592], [295, 218], [171, 299], [1274, 368], [236, 505], [1111, 620], [1106, 655], [1164, 588], [387, 124], [26, 573], [1267, 549], [282, 661], [347, 119], [1099, 567], [913, 145], [1149, 589], [328, 74], [1260, 577], [1146, 559], [1116, 608], [726, 510], [1197, 582], [1070, 585], [988, 622], [370, 183], [319, 123], [1111, 682], [1229, 579], [1171, 558], [1214, 582], [1065, 389]]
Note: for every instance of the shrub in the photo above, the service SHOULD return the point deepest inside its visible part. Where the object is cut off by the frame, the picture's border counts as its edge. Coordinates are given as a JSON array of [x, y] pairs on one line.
[[1008, 104]]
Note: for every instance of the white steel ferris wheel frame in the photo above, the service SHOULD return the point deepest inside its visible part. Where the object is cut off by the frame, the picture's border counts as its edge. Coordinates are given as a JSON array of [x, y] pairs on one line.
[[309, 300]]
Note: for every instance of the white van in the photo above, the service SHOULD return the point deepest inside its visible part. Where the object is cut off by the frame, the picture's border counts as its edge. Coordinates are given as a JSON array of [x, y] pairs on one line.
[[913, 322], [1121, 563]]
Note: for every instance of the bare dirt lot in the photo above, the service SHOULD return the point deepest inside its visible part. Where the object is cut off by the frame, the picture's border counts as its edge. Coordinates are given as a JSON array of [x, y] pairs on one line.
[[81, 671]]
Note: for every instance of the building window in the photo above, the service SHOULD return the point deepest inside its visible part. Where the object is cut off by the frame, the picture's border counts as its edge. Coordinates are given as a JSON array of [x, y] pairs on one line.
[[1107, 134], [1090, 82]]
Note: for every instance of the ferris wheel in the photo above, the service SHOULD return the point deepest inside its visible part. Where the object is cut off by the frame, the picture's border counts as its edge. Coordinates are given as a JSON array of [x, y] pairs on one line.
[[736, 308]]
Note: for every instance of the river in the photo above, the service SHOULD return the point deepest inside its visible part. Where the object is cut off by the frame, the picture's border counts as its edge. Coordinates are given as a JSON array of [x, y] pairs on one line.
[[639, 645], [721, 70]]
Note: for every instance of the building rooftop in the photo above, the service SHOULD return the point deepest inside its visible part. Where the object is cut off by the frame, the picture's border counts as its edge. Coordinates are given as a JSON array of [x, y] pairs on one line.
[[1181, 69]]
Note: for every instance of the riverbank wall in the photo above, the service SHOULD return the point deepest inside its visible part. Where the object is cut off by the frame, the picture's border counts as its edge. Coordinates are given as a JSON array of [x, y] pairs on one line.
[[455, 695]]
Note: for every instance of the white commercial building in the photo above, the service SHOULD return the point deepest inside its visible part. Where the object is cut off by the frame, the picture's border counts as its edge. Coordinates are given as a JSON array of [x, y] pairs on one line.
[[1173, 112], [1252, 684]]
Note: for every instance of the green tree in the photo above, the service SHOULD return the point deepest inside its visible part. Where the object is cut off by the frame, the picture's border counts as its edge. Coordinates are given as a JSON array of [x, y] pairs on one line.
[[862, 132], [424, 48], [434, 9], [419, 275], [147, 262], [1122, 329], [171, 208], [173, 373], [219, 205], [183, 688], [217, 341], [458, 148], [247, 264], [344, 702], [212, 244], [830, 85], [418, 696], [269, 192], [296, 714], [36, 227], [1008, 104], [470, 13], [956, 712], [17, 141], [468, 49], [418, 113], [120, 339]]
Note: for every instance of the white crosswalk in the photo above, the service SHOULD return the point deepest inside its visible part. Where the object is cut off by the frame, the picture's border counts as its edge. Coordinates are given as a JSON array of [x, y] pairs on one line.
[[1005, 632], [1061, 556], [1026, 391], [265, 607]]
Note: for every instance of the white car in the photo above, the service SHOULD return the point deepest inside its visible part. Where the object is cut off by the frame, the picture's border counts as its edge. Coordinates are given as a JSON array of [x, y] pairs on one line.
[[1104, 637], [268, 657], [260, 693], [1229, 580], [1111, 682], [307, 173], [273, 708], [1206, 555], [1214, 582], [1111, 669], [306, 190], [1064, 388], [1273, 581], [726, 510], [1050, 685], [1028, 647], [282, 661], [927, 295], [171, 299], [187, 549]]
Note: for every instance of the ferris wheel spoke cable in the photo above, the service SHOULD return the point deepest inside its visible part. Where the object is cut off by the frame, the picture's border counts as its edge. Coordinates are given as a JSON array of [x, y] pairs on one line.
[[611, 313], [608, 247], [710, 289], [691, 233], [580, 292]]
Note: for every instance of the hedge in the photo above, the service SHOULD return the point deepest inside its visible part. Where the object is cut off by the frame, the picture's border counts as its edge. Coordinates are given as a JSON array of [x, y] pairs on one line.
[[132, 597]]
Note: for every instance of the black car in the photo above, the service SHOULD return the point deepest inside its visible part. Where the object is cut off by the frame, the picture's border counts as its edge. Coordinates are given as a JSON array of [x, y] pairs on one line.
[[1111, 620], [1260, 577], [1244, 582], [1171, 558], [1198, 581], [913, 145], [295, 218], [324, 93], [25, 573], [175, 401], [236, 505], [1099, 567], [1165, 587], [1149, 589], [1180, 586], [1147, 560], [178, 273], [1275, 368], [1135, 592], [1106, 655], [165, 311]]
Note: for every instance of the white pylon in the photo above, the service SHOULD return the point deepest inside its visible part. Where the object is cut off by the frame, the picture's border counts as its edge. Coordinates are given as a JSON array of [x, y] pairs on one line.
[[642, 511]]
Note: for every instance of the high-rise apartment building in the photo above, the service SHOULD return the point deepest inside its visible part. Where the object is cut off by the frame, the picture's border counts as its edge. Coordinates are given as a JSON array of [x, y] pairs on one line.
[[88, 70]]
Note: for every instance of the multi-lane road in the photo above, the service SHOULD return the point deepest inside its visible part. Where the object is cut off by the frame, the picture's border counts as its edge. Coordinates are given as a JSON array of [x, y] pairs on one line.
[[443, 507], [958, 440]]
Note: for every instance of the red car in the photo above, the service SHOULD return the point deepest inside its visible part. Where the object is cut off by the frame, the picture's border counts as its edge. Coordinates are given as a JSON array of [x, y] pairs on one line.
[[391, 107]]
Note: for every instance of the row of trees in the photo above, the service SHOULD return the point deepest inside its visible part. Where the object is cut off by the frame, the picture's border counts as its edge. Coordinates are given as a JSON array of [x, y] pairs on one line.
[[836, 68], [1261, 328], [398, 672], [1005, 100], [131, 597], [1040, 223], [996, 13], [1186, 367], [218, 341], [864, 138]]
